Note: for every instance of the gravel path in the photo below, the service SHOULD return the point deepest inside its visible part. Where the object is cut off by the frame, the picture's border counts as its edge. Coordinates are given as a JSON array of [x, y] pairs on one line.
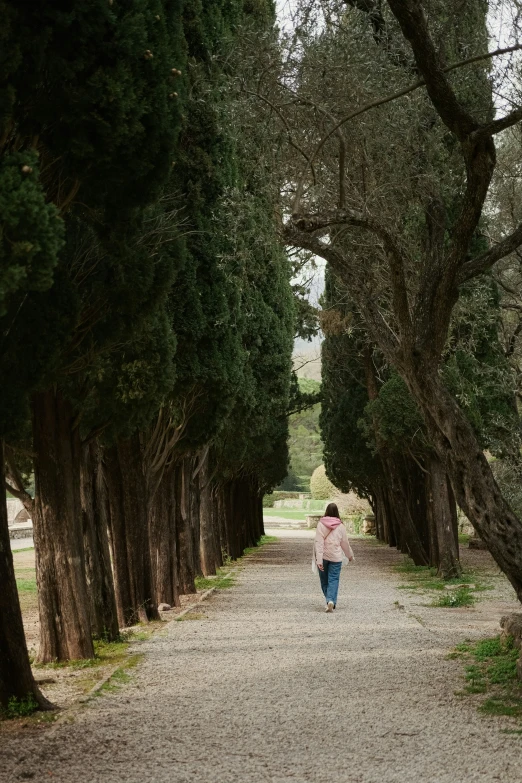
[[267, 687]]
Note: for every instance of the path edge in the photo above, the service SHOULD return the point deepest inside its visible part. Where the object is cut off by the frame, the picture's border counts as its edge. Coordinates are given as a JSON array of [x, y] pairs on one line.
[[66, 715]]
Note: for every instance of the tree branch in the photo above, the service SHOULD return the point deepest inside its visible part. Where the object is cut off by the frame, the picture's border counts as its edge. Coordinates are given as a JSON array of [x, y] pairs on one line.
[[283, 119], [388, 99], [310, 223], [21, 495], [412, 21], [497, 126], [14, 482], [483, 262], [338, 133], [373, 10], [295, 236]]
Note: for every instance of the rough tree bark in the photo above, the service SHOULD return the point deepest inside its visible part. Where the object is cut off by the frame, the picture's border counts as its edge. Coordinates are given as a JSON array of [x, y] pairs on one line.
[[406, 509], [16, 677], [208, 532], [221, 513], [98, 569], [65, 631], [163, 548], [475, 488], [443, 511], [129, 532], [184, 531], [193, 468], [383, 514], [398, 474]]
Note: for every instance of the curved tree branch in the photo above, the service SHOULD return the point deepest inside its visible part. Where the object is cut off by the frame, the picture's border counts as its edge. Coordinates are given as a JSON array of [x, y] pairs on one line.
[[412, 21], [296, 236], [483, 262]]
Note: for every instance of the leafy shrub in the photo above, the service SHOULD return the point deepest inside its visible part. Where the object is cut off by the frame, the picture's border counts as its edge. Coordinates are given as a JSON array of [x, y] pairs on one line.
[[20, 708], [320, 485]]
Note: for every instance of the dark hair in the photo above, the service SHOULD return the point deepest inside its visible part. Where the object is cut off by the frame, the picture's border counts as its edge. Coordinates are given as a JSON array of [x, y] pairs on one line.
[[332, 511]]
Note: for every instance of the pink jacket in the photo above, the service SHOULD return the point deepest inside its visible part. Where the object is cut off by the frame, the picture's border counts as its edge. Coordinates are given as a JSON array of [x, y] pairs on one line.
[[331, 541]]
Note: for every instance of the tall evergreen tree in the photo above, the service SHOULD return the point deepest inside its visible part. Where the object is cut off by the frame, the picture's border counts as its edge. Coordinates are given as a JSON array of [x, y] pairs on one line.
[[100, 108]]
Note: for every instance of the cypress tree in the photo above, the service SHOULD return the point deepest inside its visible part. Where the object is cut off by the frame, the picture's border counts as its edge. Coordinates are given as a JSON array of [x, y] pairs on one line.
[[31, 238], [105, 158]]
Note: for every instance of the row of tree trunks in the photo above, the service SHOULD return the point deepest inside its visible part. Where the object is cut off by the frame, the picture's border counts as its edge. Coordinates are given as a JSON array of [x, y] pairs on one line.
[[240, 509], [65, 629], [187, 526], [407, 504], [210, 546], [16, 677], [415, 511], [129, 532], [383, 515], [472, 480], [106, 554]]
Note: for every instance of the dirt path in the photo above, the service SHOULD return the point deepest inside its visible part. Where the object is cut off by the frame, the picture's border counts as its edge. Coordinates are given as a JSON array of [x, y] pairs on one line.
[[267, 687]]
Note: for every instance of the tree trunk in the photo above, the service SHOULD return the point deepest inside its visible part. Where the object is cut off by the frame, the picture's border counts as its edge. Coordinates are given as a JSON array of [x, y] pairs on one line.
[[221, 513], [16, 677], [379, 510], [98, 569], [194, 512], [475, 488], [129, 532], [65, 631], [230, 517], [406, 510], [443, 504], [162, 532], [432, 523], [389, 521], [260, 516], [207, 532], [184, 532], [219, 542]]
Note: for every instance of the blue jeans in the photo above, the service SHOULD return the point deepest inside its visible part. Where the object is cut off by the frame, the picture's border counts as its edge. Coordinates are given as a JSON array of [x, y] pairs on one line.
[[330, 580]]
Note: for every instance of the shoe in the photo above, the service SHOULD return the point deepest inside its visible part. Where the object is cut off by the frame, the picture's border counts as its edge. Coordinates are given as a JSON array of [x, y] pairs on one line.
[[330, 606]]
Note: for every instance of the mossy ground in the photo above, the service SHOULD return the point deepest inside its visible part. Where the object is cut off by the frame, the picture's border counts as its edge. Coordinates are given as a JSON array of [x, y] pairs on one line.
[[491, 671], [425, 580]]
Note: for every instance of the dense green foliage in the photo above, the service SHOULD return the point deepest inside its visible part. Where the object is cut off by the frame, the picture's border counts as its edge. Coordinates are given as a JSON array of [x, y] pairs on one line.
[[90, 92], [350, 463], [304, 442], [321, 487], [32, 232]]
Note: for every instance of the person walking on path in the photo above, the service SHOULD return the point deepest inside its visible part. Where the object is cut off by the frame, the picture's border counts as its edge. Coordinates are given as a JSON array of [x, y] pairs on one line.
[[330, 543]]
